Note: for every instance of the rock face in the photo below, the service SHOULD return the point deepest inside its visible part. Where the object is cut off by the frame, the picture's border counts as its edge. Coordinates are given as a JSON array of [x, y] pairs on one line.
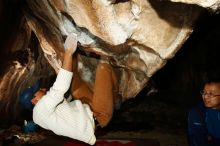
[[210, 4], [136, 36]]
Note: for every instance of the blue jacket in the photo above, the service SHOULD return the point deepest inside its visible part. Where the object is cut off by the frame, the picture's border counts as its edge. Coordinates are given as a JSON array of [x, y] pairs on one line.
[[203, 126]]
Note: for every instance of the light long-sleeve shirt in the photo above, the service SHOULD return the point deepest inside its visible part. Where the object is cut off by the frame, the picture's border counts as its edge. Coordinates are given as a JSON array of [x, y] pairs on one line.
[[72, 119]]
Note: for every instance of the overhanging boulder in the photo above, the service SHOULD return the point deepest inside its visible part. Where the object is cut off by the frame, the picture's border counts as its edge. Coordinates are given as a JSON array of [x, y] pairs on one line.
[[137, 37]]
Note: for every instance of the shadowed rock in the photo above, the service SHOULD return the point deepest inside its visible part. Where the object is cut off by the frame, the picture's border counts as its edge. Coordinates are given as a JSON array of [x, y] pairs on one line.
[[137, 37]]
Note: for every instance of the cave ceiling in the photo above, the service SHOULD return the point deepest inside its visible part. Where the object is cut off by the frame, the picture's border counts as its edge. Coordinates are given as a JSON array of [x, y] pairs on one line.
[[136, 37]]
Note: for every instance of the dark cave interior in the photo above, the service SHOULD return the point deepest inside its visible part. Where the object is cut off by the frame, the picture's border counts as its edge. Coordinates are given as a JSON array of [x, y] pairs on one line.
[[178, 83]]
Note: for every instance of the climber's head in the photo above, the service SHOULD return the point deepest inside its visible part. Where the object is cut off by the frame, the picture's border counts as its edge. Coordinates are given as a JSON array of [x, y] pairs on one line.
[[29, 97]]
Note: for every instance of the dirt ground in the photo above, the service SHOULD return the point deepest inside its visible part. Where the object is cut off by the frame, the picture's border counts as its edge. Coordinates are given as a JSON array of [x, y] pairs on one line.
[[157, 117], [151, 118], [163, 137]]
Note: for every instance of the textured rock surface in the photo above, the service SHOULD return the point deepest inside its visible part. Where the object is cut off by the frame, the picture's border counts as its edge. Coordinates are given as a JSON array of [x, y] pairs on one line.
[[137, 37], [210, 4]]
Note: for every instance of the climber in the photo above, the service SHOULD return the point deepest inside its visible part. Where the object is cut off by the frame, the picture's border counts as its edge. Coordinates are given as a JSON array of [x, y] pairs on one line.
[[91, 107], [52, 111]]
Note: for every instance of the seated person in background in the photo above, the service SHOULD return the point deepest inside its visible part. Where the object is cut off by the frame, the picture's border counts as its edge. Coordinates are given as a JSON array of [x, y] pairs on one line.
[[72, 119], [204, 119]]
